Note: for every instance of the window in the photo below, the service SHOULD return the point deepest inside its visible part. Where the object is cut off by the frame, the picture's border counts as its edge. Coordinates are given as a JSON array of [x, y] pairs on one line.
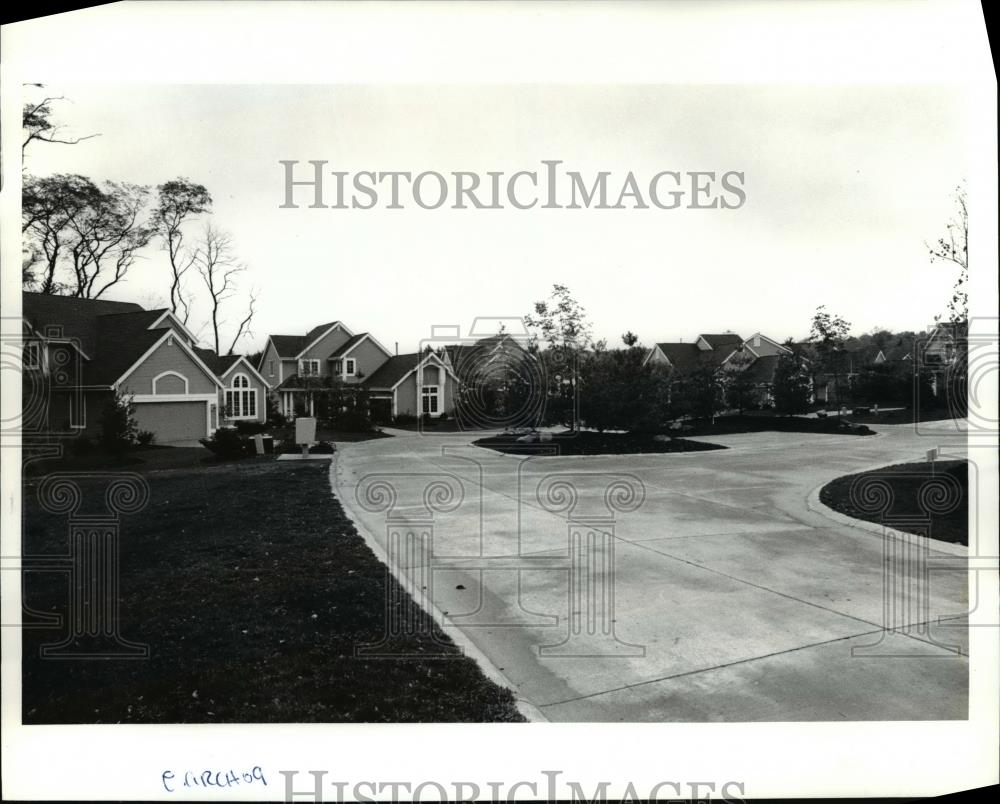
[[270, 368], [32, 355], [429, 393], [308, 368], [349, 365], [337, 367], [241, 399]]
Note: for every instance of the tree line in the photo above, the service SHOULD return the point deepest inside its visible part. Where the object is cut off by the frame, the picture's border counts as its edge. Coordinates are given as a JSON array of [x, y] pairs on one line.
[[81, 237]]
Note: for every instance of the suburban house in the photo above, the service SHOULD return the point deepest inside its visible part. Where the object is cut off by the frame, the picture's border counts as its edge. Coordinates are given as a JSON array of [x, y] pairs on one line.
[[298, 367], [943, 347], [757, 356], [79, 353]]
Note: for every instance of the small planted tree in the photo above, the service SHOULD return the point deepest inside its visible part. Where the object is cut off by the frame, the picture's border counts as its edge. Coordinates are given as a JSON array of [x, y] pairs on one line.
[[561, 322], [792, 385], [118, 426], [621, 392], [828, 334], [698, 393]]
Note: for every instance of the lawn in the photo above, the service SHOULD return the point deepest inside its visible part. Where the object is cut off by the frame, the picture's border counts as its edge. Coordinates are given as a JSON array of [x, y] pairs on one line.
[[587, 442], [905, 481], [252, 589]]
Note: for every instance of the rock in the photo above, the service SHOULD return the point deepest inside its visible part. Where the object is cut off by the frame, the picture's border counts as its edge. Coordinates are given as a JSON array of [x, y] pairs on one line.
[[661, 438], [530, 438], [545, 436]]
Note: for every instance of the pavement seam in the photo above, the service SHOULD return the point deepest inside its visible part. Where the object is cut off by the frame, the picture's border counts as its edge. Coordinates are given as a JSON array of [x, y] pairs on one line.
[[725, 665]]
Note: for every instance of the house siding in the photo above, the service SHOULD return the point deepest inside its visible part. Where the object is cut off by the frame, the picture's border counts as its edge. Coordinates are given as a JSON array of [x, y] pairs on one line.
[[333, 340], [765, 348], [168, 357], [369, 357], [270, 355]]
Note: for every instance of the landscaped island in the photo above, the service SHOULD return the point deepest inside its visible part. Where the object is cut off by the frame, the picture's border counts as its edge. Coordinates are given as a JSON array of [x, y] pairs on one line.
[[585, 442], [938, 490]]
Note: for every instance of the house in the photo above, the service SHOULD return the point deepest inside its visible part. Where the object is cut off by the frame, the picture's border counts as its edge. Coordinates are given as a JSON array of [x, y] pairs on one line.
[[412, 384], [83, 352], [297, 368], [705, 350], [757, 356]]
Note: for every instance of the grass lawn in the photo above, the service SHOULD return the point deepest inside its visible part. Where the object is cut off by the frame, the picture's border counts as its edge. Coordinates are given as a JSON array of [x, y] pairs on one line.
[[252, 589], [905, 480], [586, 442]]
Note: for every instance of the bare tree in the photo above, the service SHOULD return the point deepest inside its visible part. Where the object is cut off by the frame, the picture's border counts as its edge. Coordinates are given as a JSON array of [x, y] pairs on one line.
[[178, 201], [36, 119], [954, 248], [107, 237], [81, 237], [49, 205], [216, 262]]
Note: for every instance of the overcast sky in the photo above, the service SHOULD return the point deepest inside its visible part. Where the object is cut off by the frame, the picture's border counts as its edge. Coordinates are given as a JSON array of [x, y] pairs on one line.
[[843, 185]]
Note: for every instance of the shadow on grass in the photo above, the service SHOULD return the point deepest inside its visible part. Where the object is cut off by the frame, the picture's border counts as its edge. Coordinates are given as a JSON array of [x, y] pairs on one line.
[[252, 589]]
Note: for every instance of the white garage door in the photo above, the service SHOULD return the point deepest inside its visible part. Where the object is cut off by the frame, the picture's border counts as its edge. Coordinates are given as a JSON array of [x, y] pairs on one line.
[[173, 422]]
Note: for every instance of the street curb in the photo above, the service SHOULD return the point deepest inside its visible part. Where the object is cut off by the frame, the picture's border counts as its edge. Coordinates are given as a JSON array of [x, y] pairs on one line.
[[814, 504], [530, 712]]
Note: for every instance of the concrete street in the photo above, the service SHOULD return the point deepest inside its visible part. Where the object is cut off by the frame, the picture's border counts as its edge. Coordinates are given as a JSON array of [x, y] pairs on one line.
[[728, 598]]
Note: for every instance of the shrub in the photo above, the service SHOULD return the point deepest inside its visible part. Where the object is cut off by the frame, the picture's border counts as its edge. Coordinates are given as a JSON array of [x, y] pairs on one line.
[[118, 427], [404, 420], [145, 437], [792, 385], [228, 444], [352, 421], [250, 427], [443, 417]]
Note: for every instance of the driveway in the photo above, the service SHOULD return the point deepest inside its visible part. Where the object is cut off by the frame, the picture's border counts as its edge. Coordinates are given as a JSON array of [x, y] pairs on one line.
[[679, 587]]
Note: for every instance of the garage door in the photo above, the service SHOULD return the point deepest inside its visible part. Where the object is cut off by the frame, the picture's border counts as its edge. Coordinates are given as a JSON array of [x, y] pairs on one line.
[[172, 421]]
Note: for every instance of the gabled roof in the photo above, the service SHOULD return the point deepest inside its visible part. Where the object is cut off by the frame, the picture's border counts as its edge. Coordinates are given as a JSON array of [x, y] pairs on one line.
[[77, 317], [122, 338], [349, 344], [219, 364], [317, 333], [396, 368], [288, 346], [727, 340], [682, 356], [392, 371], [761, 371], [475, 356]]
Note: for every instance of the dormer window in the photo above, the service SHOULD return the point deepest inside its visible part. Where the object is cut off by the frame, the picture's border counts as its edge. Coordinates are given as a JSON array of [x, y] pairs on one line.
[[309, 368]]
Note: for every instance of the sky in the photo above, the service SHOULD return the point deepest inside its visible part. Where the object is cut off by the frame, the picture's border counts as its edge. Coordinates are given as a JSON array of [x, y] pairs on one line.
[[844, 186]]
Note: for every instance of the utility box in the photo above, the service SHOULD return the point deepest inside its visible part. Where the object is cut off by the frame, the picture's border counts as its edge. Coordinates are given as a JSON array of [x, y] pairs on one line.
[[305, 431]]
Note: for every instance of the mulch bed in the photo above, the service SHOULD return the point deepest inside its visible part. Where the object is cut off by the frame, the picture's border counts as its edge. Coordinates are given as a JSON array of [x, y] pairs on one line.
[[586, 442], [252, 589], [904, 416], [905, 481], [728, 425]]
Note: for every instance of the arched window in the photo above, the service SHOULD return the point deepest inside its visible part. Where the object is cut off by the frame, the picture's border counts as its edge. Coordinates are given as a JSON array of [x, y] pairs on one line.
[[241, 399]]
